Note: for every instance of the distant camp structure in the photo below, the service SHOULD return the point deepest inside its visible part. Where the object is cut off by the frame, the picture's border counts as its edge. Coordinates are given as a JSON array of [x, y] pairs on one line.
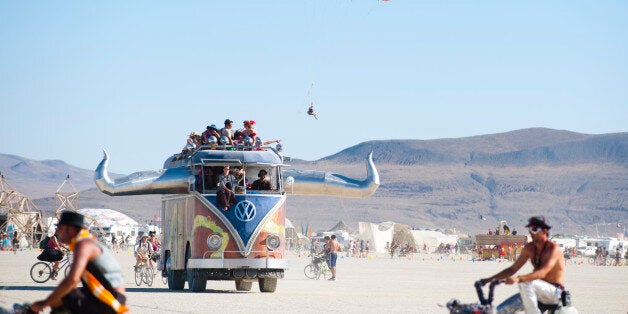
[[66, 197], [491, 245], [18, 213], [342, 226]]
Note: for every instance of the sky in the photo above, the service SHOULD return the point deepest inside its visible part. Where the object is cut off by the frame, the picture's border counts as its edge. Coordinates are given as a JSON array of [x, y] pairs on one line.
[[136, 77]]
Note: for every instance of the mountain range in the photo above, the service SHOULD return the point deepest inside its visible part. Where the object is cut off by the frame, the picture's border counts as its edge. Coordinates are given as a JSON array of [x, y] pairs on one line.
[[578, 181]]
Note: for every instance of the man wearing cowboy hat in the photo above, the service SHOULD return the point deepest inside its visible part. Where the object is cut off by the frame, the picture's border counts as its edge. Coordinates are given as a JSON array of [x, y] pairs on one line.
[[93, 265], [545, 283]]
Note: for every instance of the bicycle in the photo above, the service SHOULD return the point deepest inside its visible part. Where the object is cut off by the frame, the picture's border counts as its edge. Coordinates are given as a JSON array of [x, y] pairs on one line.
[[510, 305], [156, 258], [317, 268], [42, 271], [145, 274]]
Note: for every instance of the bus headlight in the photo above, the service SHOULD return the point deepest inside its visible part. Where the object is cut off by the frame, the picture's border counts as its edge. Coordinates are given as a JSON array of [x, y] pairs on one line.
[[273, 241], [214, 241]]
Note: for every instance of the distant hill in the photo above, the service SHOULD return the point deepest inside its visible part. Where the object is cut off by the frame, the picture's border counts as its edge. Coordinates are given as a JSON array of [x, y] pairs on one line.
[[42, 178], [522, 147], [579, 181]]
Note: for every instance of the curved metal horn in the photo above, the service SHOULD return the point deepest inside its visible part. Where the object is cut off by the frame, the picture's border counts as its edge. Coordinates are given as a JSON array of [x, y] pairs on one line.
[[310, 182], [168, 181]]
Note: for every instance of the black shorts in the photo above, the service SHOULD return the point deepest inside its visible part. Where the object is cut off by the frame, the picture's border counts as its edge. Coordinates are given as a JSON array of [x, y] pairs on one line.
[[80, 300]]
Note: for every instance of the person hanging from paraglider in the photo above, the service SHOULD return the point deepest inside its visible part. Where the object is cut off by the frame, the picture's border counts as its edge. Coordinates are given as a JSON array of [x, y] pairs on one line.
[[311, 111]]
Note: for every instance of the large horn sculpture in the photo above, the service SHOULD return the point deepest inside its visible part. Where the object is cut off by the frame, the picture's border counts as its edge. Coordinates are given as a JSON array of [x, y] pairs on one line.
[[163, 181], [178, 181], [309, 182]]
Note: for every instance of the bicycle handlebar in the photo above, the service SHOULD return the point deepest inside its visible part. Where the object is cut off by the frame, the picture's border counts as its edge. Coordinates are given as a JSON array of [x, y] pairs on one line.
[[491, 288]]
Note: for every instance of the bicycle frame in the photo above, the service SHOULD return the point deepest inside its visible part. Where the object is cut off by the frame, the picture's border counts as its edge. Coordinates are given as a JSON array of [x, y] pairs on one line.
[[144, 273], [43, 271]]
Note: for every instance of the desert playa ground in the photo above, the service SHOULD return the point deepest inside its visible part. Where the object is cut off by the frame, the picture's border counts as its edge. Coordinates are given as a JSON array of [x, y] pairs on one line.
[[367, 285]]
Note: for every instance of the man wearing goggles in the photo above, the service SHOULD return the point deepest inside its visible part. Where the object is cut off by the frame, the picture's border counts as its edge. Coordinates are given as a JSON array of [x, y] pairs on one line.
[[546, 283]]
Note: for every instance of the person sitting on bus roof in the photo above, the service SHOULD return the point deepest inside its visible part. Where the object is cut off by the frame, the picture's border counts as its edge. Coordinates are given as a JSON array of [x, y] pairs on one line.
[[247, 131], [227, 131], [191, 144], [262, 183], [211, 130]]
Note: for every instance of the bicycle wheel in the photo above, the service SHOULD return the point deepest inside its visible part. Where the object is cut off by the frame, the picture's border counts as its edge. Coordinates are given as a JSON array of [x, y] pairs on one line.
[[138, 277], [149, 275], [67, 269], [325, 272], [41, 272], [310, 271]]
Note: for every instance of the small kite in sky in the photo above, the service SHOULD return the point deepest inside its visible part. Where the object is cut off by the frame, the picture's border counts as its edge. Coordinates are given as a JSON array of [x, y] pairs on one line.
[[311, 111]]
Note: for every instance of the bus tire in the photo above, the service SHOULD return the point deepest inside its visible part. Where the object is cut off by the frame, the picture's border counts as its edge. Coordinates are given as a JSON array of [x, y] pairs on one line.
[[242, 285], [268, 284], [176, 279], [196, 282]]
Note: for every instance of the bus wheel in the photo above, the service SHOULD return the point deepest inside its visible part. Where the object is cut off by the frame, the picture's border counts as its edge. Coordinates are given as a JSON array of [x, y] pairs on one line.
[[196, 282], [176, 279], [267, 284], [242, 285]]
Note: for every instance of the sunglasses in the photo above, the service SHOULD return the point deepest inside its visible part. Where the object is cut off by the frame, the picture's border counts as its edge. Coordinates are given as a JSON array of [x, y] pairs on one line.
[[534, 230]]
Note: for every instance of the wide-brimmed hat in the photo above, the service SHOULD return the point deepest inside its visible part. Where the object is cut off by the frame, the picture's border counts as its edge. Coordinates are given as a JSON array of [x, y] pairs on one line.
[[538, 221], [71, 218]]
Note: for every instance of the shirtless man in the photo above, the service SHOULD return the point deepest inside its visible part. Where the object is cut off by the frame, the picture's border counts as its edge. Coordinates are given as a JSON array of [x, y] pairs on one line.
[[546, 282], [334, 248]]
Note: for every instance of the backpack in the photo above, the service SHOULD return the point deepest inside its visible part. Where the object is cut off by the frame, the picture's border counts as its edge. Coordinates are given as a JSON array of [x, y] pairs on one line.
[[43, 242]]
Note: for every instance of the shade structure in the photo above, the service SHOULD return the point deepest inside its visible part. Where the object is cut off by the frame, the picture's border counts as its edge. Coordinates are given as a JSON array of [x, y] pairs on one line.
[[108, 217]]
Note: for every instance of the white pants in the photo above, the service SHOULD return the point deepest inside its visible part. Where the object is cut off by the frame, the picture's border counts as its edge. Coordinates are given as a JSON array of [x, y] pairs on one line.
[[538, 291], [529, 293]]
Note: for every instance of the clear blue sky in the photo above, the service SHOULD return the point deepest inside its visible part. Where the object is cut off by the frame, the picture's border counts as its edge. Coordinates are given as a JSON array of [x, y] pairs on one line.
[[135, 77]]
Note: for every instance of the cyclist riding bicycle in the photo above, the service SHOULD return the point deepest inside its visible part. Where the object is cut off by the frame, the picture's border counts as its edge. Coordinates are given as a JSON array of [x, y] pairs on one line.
[[53, 253], [545, 285], [143, 251]]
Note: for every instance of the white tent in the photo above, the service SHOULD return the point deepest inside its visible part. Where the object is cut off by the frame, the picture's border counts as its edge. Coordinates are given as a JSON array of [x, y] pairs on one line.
[[432, 238], [108, 217], [377, 234]]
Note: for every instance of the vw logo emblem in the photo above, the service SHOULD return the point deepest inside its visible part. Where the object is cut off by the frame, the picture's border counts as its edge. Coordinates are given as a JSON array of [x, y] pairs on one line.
[[245, 211]]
